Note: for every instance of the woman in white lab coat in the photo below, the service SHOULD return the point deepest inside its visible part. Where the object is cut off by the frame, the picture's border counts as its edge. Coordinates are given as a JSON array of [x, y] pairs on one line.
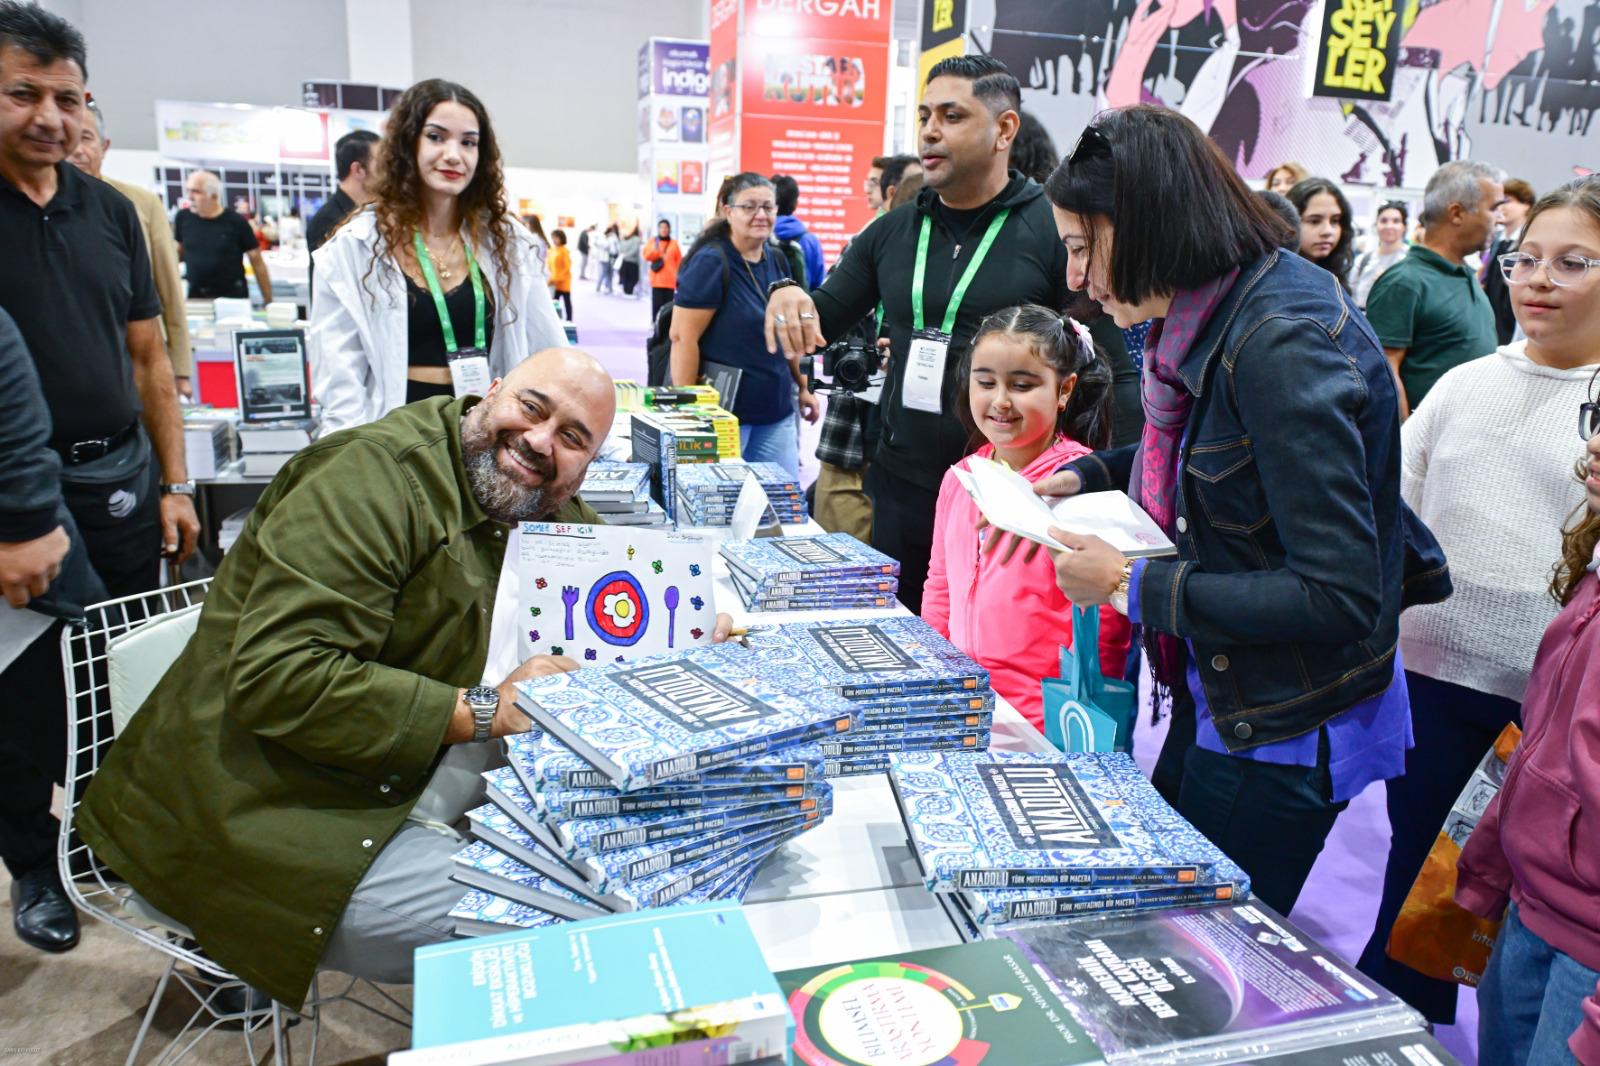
[[433, 288]]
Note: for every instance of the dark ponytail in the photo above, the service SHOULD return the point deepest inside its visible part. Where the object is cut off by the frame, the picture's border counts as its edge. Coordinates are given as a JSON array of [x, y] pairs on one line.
[[1066, 347]]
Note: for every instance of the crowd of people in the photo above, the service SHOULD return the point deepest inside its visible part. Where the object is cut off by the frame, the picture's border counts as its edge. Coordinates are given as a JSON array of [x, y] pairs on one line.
[[1364, 457]]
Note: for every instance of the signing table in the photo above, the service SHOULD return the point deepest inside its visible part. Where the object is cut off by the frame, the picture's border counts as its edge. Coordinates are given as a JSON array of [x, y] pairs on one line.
[[850, 887]]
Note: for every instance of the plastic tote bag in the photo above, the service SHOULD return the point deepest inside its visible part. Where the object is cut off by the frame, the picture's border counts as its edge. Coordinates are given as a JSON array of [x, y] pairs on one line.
[[1083, 709], [1433, 935]]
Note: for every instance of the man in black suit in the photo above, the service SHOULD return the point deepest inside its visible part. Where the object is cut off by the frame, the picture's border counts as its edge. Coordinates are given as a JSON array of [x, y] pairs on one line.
[[1511, 214], [352, 154]]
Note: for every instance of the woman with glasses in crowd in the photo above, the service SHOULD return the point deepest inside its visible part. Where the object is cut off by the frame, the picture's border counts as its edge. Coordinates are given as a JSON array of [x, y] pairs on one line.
[[1485, 466], [1325, 233], [433, 272], [1270, 454], [1392, 247], [719, 315]]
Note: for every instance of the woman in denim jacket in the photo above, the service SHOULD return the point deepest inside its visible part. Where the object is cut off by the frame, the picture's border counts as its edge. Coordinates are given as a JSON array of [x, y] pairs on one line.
[[1271, 454]]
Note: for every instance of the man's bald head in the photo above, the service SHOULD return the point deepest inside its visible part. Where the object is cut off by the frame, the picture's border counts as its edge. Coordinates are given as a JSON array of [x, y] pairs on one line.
[[529, 443]]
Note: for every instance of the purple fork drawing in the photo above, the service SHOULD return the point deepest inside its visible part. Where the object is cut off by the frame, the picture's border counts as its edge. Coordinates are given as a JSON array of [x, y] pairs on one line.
[[670, 598], [569, 596]]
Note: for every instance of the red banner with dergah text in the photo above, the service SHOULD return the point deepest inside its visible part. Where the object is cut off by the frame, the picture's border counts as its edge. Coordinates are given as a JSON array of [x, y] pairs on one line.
[[811, 80]]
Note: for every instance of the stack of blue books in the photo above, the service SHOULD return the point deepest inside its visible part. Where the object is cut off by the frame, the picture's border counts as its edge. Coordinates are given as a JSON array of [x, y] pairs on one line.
[[831, 571], [914, 689], [660, 781], [620, 493], [1006, 838], [707, 492]]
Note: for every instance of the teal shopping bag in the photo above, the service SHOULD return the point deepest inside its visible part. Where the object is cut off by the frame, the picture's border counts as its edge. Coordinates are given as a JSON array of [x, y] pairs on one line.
[[1083, 709]]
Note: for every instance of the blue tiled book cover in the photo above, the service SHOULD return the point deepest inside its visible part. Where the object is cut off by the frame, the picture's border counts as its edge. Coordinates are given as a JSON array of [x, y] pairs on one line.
[[801, 558], [700, 880], [885, 744], [614, 870], [510, 793], [996, 906], [483, 867], [611, 482], [877, 658], [561, 805], [855, 765], [491, 824], [478, 910], [548, 764], [879, 585], [590, 836], [647, 722], [1031, 819], [822, 600], [725, 479], [685, 984]]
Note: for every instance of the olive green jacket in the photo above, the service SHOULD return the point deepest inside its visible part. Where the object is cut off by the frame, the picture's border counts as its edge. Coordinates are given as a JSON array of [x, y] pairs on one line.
[[251, 791]]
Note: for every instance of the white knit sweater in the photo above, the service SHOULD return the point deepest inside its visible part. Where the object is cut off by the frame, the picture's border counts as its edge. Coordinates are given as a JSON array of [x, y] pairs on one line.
[[1488, 464]]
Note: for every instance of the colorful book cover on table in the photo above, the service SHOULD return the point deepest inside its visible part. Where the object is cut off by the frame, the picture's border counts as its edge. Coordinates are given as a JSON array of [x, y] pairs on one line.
[[878, 658], [1026, 819], [688, 984], [549, 764], [1199, 977], [647, 722], [801, 558], [982, 1004]]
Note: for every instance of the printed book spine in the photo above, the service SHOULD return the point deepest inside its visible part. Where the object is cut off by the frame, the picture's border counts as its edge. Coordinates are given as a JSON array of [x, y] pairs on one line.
[[728, 776], [540, 862], [528, 896], [660, 771], [678, 884], [561, 806], [585, 838], [976, 741], [529, 823], [1046, 877], [698, 848], [884, 690], [1071, 904], [883, 727]]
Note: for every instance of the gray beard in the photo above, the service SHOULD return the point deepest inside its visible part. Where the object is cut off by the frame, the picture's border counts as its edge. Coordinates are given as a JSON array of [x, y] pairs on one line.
[[501, 498]]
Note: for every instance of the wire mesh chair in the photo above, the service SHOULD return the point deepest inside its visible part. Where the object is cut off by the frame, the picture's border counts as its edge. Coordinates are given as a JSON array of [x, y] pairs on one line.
[[96, 890]]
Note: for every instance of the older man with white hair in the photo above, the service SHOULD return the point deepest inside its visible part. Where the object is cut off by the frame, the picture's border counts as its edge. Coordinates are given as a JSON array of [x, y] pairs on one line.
[[1428, 310], [215, 240]]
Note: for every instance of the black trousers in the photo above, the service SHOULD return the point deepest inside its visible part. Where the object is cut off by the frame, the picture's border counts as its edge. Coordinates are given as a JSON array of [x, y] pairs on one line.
[[628, 275], [659, 298], [902, 528], [566, 300], [126, 553], [1272, 820], [1454, 727]]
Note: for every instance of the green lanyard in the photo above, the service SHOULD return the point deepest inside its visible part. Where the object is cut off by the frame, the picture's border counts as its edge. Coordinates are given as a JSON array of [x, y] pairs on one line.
[[966, 278], [480, 337]]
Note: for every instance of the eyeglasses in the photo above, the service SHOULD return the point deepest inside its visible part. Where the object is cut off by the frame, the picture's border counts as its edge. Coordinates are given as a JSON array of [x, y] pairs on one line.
[[1090, 142], [756, 209], [1570, 269], [1588, 420]]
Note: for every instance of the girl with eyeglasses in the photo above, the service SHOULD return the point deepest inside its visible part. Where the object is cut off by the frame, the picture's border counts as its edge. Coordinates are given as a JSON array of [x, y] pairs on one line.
[[1534, 849], [719, 315], [1482, 466]]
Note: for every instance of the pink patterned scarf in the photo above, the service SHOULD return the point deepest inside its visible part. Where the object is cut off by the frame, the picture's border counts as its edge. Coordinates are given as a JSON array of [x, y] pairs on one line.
[[1167, 402]]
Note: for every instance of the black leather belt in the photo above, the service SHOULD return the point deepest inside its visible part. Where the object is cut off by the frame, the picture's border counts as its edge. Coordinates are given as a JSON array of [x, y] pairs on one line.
[[85, 451]]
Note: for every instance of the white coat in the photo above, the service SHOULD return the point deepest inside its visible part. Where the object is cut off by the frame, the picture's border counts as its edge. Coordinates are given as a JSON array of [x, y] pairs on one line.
[[358, 343]]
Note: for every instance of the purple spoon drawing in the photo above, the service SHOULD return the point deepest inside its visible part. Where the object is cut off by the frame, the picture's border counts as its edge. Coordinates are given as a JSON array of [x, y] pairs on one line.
[[569, 596], [670, 598]]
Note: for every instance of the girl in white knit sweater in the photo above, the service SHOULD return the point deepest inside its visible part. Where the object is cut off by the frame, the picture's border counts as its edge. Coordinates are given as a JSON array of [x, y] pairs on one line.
[[1485, 465]]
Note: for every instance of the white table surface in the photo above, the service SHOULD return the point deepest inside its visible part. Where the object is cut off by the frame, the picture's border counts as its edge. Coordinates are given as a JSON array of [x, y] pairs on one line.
[[850, 887]]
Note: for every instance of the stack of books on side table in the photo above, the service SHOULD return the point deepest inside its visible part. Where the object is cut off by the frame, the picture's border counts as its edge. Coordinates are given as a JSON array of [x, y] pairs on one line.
[[266, 446], [620, 494], [831, 571], [708, 492]]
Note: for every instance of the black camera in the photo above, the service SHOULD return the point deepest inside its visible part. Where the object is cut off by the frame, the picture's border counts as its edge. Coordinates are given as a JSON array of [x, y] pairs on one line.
[[848, 365]]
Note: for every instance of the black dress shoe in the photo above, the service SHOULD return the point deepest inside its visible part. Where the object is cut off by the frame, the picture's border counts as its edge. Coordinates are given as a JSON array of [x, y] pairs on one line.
[[44, 916]]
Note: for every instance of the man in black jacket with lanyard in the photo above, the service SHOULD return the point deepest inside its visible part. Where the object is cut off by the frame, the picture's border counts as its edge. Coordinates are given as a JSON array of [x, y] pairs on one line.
[[979, 238]]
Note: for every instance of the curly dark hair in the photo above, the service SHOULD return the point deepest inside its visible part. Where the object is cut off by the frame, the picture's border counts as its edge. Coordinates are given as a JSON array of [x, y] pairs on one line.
[[396, 187]]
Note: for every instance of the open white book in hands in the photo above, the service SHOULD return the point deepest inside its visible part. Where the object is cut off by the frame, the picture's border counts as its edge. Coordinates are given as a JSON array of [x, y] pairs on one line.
[[1008, 501]]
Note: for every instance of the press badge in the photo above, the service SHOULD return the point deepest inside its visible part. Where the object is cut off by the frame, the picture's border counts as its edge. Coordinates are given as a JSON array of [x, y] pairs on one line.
[[469, 372], [923, 389]]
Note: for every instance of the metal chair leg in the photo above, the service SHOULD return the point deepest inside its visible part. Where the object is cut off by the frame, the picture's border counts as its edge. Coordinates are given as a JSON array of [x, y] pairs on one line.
[[150, 1012]]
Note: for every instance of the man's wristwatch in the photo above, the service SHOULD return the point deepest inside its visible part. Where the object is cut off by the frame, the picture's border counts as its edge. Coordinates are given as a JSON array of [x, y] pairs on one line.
[[781, 283], [178, 488], [483, 702], [1119, 595]]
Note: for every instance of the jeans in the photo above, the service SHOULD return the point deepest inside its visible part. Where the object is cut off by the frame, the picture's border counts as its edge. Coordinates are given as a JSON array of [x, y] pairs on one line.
[[1272, 820], [778, 443], [1454, 726], [1530, 1000], [604, 281]]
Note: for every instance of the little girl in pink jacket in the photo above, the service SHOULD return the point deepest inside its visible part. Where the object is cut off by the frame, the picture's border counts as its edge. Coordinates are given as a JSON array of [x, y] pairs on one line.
[[1037, 390]]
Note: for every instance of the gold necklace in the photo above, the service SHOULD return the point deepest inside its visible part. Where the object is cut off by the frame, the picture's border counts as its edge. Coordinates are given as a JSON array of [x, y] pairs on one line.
[[438, 263]]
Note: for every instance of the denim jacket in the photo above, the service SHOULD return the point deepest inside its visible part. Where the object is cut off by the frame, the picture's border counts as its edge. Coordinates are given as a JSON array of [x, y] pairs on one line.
[[1295, 551]]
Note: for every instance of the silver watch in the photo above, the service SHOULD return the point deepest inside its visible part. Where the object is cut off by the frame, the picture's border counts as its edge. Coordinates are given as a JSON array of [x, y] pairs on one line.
[[178, 488], [483, 701]]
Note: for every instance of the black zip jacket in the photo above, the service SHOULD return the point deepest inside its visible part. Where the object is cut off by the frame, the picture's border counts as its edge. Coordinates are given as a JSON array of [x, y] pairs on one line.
[[1026, 264]]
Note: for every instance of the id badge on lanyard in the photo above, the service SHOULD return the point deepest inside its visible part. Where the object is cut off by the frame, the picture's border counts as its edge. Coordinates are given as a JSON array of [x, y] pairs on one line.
[[929, 352], [469, 367]]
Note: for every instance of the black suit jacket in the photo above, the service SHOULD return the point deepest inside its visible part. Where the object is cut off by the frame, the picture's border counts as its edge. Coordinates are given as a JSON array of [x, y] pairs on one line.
[[1499, 293]]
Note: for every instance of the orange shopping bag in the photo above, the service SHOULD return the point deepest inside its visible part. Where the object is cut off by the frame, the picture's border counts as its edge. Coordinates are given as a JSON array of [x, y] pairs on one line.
[[1433, 935]]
